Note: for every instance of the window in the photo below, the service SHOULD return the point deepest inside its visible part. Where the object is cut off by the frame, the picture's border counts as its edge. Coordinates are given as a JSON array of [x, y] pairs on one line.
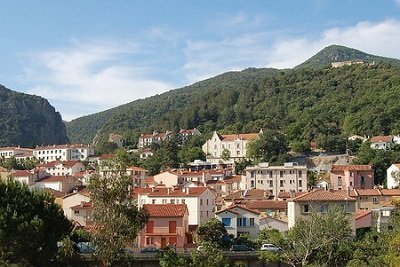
[[241, 222], [345, 207], [164, 201], [300, 174], [149, 240], [324, 208], [183, 201], [281, 183], [300, 183], [226, 221], [271, 184], [339, 181], [153, 201], [252, 174], [280, 173], [251, 221], [201, 202], [207, 201], [172, 201], [270, 174], [76, 212], [306, 208], [375, 200]]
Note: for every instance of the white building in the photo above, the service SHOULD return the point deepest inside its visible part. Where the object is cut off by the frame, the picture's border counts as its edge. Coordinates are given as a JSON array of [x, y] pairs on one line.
[[235, 144], [382, 142], [63, 152], [276, 179], [199, 200], [8, 152], [239, 220], [24, 176], [72, 200], [391, 173], [61, 168]]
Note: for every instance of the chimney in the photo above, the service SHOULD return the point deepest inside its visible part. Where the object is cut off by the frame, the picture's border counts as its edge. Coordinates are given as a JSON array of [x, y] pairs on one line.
[[168, 190], [82, 203]]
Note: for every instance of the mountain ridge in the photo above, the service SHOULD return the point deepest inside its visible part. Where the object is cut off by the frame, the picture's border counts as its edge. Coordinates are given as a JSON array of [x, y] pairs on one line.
[[195, 105]]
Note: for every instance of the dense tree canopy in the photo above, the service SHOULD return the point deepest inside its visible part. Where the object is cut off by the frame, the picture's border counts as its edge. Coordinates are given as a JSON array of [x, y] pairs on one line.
[[31, 224]]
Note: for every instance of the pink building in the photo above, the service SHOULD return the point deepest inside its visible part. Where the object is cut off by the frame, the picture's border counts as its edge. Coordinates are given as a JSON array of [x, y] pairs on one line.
[[167, 225], [352, 176]]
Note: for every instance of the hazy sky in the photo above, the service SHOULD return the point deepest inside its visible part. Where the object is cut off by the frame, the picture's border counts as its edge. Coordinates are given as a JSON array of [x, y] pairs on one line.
[[86, 56]]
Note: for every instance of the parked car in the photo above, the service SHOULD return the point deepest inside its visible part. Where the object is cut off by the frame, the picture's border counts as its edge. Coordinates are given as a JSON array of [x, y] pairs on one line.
[[150, 250], [235, 248], [270, 247]]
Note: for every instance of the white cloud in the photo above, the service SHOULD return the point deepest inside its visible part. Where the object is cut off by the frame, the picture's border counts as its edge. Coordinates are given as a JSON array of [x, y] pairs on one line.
[[397, 2], [93, 75]]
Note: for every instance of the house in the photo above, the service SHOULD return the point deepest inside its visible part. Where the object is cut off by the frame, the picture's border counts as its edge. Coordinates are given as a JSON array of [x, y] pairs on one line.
[[82, 213], [363, 219], [74, 199], [146, 153], [199, 200], [369, 199], [276, 209], [276, 179], [146, 140], [167, 225], [85, 176], [63, 152], [393, 175], [24, 176], [320, 201], [185, 134], [61, 168], [382, 142], [225, 186], [138, 175], [268, 222], [169, 179], [60, 183], [234, 144], [357, 137], [242, 196], [351, 176], [239, 220]]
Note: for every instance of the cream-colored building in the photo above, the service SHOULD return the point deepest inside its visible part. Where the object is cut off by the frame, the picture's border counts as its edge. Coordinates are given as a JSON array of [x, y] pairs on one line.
[[8, 152], [236, 144], [320, 201], [72, 200], [199, 200], [276, 179]]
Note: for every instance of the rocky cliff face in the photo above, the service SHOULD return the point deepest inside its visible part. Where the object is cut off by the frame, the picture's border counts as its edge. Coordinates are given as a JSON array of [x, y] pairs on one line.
[[29, 120]]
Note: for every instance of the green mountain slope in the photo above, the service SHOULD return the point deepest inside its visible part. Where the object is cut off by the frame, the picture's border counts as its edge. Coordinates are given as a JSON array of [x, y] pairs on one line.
[[305, 103], [28, 120], [337, 53]]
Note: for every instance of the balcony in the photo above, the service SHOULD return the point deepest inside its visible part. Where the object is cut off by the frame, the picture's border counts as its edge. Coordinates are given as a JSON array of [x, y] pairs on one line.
[[164, 231]]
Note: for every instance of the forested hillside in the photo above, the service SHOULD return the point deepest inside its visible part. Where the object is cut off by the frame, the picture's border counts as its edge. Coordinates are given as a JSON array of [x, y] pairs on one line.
[[305, 103], [28, 120]]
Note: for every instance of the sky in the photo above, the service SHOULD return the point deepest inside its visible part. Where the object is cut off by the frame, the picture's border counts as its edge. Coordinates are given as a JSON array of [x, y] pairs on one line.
[[92, 55]]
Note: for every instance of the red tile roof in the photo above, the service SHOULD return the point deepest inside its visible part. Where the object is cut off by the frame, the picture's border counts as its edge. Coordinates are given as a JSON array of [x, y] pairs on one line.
[[21, 173], [340, 168], [266, 204], [55, 193], [286, 195], [52, 179], [362, 213], [233, 207], [233, 137], [83, 205], [382, 138], [368, 192], [106, 156], [322, 195], [165, 210], [390, 192]]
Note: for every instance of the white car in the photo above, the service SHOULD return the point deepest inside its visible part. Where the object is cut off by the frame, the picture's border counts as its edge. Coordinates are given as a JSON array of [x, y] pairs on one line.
[[270, 247]]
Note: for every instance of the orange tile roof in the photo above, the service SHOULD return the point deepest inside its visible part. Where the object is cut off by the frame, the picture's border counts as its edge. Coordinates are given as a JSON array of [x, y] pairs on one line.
[[266, 204], [83, 205], [286, 195], [362, 213], [55, 193], [382, 138], [352, 193], [322, 195], [368, 192], [338, 168], [390, 192], [51, 179], [106, 156], [21, 173], [233, 137], [165, 210], [233, 207]]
